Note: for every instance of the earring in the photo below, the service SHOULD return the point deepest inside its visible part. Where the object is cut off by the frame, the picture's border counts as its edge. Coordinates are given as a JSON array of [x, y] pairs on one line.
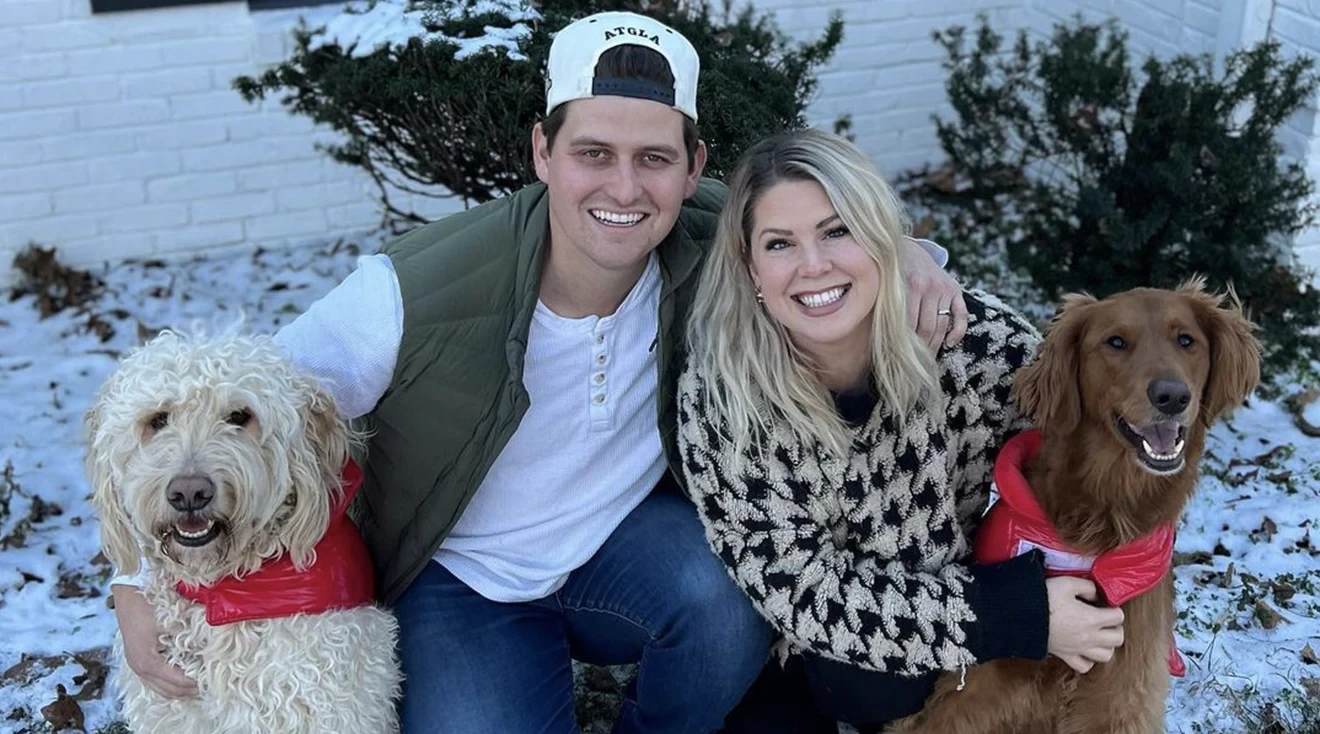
[[760, 298]]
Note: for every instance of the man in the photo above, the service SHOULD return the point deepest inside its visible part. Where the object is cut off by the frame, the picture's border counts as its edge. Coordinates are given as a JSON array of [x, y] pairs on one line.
[[516, 365]]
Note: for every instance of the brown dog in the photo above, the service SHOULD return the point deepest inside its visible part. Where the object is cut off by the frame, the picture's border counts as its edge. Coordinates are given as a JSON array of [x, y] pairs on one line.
[[1123, 391]]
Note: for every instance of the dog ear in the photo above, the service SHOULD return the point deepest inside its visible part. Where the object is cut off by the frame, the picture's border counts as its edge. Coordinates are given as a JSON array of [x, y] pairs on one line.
[[316, 470], [1049, 389], [116, 534], [1234, 350]]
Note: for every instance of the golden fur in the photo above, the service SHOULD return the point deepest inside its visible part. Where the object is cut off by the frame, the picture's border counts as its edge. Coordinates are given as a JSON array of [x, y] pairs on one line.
[[1099, 496]]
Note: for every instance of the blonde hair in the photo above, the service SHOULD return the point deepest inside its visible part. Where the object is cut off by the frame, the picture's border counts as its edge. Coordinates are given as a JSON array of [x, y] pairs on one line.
[[745, 356]]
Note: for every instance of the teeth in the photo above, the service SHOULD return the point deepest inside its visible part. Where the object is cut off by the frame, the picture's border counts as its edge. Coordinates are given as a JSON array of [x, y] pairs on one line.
[[198, 534], [1177, 451], [616, 217], [816, 300]]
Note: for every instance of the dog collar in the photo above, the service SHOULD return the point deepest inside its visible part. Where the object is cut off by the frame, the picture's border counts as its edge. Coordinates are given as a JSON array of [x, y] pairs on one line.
[[1016, 524], [341, 577]]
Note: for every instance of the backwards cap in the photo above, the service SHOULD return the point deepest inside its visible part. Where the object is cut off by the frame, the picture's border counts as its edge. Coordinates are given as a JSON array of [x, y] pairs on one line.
[[571, 71]]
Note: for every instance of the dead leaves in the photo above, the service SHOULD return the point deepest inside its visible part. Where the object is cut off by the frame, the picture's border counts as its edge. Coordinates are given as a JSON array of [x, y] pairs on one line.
[[91, 682], [38, 511], [74, 586], [1308, 656], [1297, 405], [1283, 591], [147, 333], [1265, 614], [1255, 600], [943, 180], [15, 522], [64, 712], [1265, 533], [29, 669], [1267, 466], [924, 227], [1194, 558], [95, 672], [8, 490], [56, 286]]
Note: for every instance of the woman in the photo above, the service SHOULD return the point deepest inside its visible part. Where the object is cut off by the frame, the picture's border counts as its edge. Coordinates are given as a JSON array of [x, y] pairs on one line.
[[840, 467]]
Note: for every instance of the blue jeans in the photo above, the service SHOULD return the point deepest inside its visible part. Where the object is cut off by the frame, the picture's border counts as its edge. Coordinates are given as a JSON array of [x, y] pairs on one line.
[[654, 594]]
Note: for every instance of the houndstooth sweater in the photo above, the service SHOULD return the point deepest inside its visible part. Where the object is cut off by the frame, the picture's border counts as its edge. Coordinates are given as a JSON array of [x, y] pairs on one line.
[[862, 559]]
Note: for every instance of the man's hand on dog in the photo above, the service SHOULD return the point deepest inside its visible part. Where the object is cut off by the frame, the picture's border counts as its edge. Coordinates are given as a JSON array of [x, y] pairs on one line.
[[137, 625], [1081, 633]]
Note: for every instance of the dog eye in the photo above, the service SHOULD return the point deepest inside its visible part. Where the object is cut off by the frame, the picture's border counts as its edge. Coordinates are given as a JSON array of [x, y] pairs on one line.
[[1116, 342], [1185, 341], [239, 418], [159, 421]]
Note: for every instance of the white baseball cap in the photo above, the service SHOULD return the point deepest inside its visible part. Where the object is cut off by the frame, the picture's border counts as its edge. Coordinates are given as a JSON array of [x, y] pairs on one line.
[[571, 70]]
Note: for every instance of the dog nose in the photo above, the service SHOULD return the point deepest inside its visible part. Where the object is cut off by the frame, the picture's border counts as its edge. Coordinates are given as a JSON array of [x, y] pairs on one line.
[[1169, 397], [190, 493]]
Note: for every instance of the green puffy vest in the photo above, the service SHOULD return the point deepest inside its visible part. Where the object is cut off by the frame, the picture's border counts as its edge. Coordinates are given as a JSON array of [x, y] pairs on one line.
[[469, 284]]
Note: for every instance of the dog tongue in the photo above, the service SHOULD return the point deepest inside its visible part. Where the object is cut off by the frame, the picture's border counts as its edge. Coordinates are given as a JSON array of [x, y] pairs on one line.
[[191, 524], [1162, 437]]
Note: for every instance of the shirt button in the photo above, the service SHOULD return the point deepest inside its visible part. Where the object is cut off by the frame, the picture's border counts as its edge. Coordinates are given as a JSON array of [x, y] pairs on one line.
[[600, 377], [598, 399], [600, 359], [600, 338]]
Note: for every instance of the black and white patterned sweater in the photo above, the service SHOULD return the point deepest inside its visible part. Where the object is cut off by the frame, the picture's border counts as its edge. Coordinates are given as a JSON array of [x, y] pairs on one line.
[[863, 560]]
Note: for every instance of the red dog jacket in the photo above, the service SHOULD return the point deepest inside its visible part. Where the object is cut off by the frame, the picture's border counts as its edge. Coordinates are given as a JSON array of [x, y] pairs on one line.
[[1016, 524], [340, 578]]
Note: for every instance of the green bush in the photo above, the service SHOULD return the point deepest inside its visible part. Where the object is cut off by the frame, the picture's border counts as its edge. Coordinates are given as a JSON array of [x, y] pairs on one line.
[[1088, 176], [424, 118]]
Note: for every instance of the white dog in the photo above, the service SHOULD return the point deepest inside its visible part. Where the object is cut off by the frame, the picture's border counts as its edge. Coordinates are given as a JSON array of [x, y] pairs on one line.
[[211, 459]]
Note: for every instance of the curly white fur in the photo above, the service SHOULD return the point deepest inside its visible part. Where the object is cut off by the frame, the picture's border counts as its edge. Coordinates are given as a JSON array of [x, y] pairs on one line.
[[234, 411]]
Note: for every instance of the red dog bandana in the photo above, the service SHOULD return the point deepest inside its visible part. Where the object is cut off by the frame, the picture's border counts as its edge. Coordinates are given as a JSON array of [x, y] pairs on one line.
[[340, 578], [1016, 524]]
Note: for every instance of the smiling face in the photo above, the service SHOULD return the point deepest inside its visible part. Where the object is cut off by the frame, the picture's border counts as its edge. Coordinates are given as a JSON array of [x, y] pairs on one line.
[[1147, 363], [617, 175], [207, 456], [1146, 371], [817, 281]]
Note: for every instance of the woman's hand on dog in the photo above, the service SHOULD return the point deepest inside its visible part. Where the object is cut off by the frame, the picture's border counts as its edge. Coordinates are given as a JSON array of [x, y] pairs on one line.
[[1081, 633], [137, 625]]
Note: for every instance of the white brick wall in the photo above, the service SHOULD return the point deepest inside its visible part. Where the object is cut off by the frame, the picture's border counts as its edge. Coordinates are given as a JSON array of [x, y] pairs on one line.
[[1162, 27], [1296, 24], [120, 135], [886, 73]]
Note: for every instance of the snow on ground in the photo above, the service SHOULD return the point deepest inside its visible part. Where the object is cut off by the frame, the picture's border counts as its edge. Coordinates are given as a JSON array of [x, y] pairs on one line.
[[1248, 605], [1247, 580], [52, 591]]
